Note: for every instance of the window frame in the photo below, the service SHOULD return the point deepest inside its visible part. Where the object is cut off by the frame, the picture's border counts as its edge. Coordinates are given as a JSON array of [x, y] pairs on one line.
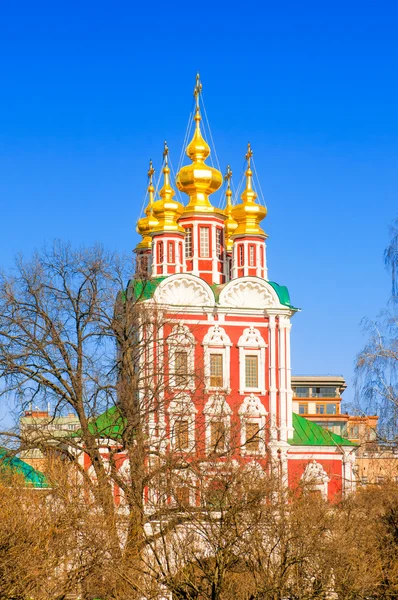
[[204, 243], [251, 342], [216, 341], [188, 238]]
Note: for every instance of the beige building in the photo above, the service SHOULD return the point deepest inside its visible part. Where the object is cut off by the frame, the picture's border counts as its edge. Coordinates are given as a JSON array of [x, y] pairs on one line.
[[36, 427], [318, 398]]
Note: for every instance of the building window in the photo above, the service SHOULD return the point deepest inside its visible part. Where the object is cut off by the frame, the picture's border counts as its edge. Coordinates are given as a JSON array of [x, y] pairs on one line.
[[251, 256], [323, 392], [160, 252], [181, 350], [320, 409], [181, 494], [252, 415], [216, 358], [303, 409], [182, 422], [241, 255], [219, 243], [302, 392], [217, 421], [204, 242], [180, 368], [170, 252], [331, 409], [252, 437], [216, 370], [217, 436], [251, 371], [181, 434], [188, 242]]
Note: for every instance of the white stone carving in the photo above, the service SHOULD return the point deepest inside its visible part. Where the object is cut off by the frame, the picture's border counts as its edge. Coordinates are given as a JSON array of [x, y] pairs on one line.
[[249, 292], [251, 338], [184, 290], [316, 478], [216, 336], [217, 405], [252, 407]]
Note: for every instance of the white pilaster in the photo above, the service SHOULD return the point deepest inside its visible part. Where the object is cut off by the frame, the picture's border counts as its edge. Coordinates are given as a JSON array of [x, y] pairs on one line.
[[282, 378], [272, 378]]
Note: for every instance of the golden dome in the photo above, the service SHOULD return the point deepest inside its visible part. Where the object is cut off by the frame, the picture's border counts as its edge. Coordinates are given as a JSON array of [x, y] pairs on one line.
[[166, 210], [249, 214], [230, 225], [146, 224], [198, 180]]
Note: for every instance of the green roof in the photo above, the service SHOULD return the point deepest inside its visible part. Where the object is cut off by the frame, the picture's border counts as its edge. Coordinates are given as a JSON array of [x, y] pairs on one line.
[[283, 294], [307, 433], [109, 424], [143, 289], [15, 465]]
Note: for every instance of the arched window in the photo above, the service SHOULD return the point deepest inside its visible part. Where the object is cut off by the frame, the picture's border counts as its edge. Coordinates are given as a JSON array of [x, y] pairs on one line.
[[181, 348], [160, 252], [251, 361], [217, 422], [252, 416], [217, 346]]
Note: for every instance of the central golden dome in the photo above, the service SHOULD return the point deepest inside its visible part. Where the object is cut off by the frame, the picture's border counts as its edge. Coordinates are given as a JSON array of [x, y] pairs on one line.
[[198, 180]]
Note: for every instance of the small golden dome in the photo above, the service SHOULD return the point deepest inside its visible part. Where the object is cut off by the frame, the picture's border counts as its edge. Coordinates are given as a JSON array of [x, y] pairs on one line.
[[146, 224], [249, 214], [198, 180], [166, 210], [230, 224]]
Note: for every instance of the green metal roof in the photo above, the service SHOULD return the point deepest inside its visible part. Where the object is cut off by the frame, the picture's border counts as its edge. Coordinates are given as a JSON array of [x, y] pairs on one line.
[[307, 433], [283, 294], [13, 464], [109, 424]]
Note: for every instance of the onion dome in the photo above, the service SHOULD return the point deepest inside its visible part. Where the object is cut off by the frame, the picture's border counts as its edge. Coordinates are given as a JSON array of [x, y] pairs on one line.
[[198, 180], [146, 224], [230, 225], [166, 210], [249, 214]]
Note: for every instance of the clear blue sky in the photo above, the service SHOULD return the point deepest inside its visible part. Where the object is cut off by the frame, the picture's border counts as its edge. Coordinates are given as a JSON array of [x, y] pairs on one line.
[[89, 91]]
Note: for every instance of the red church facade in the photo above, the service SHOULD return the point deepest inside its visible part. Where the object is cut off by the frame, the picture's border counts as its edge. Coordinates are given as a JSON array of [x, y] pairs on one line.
[[225, 348]]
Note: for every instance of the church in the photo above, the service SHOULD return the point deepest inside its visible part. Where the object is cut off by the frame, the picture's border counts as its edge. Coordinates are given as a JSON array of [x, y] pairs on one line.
[[206, 268]]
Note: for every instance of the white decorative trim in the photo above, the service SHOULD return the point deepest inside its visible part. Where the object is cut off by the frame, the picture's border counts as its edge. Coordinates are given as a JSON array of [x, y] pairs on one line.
[[181, 338], [184, 290], [216, 338], [252, 343], [217, 409], [249, 292], [316, 478], [252, 410]]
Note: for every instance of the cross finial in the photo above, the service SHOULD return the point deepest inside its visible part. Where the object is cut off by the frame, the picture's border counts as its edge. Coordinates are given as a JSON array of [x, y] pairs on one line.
[[197, 90], [166, 154], [150, 172], [227, 176], [249, 154]]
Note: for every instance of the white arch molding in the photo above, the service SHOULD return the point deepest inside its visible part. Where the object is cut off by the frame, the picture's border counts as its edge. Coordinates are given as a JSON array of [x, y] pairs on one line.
[[184, 290]]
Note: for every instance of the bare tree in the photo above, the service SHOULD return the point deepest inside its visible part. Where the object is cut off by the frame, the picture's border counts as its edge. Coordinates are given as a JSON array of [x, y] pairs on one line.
[[377, 363]]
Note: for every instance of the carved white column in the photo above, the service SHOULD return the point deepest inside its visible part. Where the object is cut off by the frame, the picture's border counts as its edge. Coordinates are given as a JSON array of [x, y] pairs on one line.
[[234, 260], [289, 385], [282, 378], [214, 259], [265, 261], [272, 378]]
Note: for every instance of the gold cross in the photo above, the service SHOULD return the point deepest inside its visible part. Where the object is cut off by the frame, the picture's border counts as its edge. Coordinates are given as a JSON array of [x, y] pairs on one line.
[[150, 172], [197, 90], [249, 154], [166, 153], [228, 175]]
